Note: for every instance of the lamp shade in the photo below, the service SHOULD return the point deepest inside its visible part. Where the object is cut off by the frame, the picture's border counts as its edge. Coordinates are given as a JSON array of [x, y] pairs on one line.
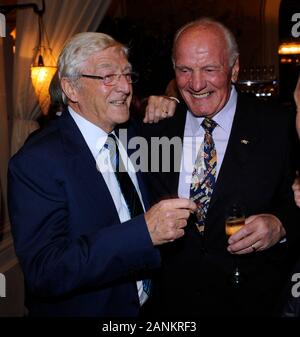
[[41, 77], [289, 48]]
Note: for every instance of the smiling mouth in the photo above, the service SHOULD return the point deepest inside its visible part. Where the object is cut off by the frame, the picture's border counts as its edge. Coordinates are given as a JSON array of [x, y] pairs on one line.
[[204, 95], [118, 102]]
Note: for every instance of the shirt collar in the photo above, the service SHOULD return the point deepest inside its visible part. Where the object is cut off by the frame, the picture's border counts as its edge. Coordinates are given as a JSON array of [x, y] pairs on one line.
[[94, 136], [223, 118]]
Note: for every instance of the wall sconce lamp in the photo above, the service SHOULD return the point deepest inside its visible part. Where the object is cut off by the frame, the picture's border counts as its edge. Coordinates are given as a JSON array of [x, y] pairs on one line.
[[289, 48], [41, 72]]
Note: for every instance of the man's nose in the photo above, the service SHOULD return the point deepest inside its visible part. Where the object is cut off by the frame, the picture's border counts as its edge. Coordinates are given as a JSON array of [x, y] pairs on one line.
[[197, 80], [123, 84]]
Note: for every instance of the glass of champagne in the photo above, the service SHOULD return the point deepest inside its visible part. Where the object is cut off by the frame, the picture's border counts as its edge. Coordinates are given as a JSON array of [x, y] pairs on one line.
[[234, 221]]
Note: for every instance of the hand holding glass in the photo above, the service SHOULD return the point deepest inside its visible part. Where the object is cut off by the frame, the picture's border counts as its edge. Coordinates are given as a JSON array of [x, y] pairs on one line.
[[233, 223]]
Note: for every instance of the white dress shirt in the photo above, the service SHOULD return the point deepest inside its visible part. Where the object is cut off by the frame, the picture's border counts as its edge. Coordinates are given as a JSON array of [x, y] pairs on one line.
[[95, 139]]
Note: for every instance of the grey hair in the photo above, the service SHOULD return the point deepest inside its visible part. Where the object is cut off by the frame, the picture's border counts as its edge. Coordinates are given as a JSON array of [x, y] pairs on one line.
[[232, 45], [79, 48]]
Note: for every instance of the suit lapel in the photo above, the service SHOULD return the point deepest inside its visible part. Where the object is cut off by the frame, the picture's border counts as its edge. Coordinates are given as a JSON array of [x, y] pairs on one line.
[[243, 140], [81, 163], [176, 129]]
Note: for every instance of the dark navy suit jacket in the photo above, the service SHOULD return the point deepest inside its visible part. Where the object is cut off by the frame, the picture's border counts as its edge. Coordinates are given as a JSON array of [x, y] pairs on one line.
[[77, 258]]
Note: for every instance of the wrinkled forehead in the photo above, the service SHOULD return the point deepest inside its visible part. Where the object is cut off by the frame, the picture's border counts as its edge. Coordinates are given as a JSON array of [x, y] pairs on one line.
[[201, 37]]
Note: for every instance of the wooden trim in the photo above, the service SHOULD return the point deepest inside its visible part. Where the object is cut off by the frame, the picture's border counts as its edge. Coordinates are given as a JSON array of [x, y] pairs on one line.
[[8, 257]]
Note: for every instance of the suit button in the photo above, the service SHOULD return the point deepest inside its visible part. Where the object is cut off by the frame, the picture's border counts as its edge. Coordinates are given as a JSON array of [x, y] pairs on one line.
[[203, 250]]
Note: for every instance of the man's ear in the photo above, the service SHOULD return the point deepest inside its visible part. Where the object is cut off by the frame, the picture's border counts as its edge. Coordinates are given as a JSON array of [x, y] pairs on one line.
[[70, 89], [235, 70]]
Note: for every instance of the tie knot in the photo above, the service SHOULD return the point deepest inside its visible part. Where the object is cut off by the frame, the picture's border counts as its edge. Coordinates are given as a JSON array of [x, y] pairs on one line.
[[111, 142], [208, 125]]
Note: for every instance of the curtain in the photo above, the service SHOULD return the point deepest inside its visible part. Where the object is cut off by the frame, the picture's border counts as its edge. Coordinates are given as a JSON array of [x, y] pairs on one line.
[[62, 19]]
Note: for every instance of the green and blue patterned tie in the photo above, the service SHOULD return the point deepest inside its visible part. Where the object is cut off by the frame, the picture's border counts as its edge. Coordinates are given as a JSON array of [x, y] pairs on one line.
[[204, 173]]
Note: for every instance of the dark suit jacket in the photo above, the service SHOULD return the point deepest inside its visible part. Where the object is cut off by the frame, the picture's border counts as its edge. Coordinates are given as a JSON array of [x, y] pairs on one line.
[[77, 258], [196, 269]]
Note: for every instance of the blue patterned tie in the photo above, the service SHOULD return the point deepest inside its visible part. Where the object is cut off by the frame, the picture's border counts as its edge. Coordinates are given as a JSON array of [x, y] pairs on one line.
[[127, 187], [204, 173]]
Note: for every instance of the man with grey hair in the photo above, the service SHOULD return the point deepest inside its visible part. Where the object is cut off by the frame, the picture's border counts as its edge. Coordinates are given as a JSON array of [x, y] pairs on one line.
[[241, 161], [83, 231]]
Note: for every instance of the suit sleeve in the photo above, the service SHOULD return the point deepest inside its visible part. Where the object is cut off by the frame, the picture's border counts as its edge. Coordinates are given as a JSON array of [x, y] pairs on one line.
[[55, 258]]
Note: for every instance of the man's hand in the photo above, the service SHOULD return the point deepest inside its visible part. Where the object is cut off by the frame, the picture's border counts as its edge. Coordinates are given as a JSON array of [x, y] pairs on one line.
[[166, 220], [297, 93], [296, 189], [260, 232], [159, 107]]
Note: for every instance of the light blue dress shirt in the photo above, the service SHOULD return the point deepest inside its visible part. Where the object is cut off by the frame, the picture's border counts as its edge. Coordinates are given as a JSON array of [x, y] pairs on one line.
[[193, 138]]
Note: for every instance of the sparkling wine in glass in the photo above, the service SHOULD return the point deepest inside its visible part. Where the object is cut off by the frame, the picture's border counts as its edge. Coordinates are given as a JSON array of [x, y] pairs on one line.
[[233, 223]]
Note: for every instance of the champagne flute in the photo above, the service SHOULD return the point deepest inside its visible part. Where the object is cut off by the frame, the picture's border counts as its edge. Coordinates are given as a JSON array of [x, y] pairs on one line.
[[235, 220]]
